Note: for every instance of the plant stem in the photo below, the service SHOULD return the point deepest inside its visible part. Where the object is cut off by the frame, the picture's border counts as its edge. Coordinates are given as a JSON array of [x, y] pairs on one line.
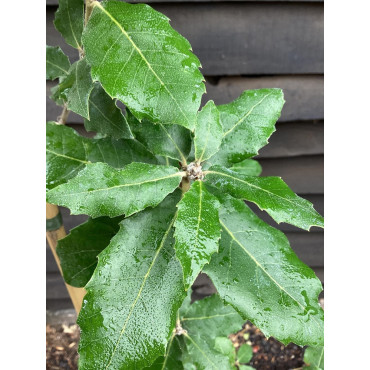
[[88, 9], [61, 120]]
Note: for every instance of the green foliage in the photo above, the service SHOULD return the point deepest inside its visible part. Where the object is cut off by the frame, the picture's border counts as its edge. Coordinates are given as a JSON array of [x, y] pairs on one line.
[[141, 60], [314, 358], [79, 250], [197, 230], [147, 240], [69, 21], [57, 63]]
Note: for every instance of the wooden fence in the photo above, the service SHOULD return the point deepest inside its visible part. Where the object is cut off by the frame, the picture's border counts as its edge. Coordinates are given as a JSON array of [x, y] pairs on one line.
[[246, 45]]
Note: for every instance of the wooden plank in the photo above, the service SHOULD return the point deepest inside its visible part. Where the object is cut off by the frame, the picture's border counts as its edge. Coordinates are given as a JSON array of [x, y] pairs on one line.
[[304, 95], [304, 175], [295, 139], [243, 38]]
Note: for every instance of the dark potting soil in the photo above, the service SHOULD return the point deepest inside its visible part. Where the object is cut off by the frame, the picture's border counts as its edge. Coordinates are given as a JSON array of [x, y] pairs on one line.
[[268, 354]]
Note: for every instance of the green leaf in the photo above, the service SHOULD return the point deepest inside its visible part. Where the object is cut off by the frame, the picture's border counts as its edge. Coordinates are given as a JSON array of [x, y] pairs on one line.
[[258, 273], [142, 61], [67, 153], [249, 167], [130, 307], [208, 132], [245, 353], [271, 194], [69, 20], [171, 141], [248, 122], [205, 321], [101, 190], [78, 251], [225, 346], [314, 358], [57, 63], [173, 356], [105, 117], [76, 87], [245, 367], [197, 230]]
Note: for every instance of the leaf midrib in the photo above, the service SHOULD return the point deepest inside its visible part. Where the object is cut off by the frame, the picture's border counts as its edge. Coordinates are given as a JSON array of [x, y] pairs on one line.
[[267, 274], [310, 209], [132, 184], [246, 115], [67, 157], [143, 58], [141, 288]]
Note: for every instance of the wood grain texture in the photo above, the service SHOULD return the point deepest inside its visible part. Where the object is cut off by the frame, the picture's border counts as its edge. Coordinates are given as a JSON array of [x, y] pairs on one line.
[[304, 175], [242, 38], [304, 95]]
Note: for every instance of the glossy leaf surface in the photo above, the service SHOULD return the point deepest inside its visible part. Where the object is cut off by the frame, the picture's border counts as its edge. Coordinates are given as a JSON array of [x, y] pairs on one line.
[[130, 308], [69, 20], [101, 190], [67, 153], [258, 273], [271, 194], [173, 356], [208, 132], [105, 117], [76, 87], [249, 167], [314, 358], [248, 122], [197, 230], [142, 61], [78, 251], [57, 63], [171, 141], [205, 321]]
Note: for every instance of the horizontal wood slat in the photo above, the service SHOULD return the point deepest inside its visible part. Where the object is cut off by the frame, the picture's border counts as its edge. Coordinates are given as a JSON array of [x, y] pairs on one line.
[[242, 38], [304, 95], [305, 175], [295, 139]]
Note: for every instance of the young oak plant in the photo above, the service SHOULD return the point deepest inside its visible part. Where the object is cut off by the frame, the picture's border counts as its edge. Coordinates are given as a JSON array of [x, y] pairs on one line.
[[165, 185]]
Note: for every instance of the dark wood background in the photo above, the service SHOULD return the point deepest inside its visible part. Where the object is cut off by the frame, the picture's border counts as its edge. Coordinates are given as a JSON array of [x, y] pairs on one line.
[[246, 45]]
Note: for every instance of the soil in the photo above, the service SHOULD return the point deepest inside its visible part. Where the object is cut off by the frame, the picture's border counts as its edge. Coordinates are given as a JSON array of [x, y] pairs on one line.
[[269, 354]]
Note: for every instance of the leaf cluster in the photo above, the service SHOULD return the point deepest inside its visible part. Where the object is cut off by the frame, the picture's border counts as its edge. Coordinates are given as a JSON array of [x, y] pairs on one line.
[[165, 185]]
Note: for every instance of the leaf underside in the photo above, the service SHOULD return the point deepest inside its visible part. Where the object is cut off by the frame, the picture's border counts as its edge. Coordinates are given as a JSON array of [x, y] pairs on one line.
[[105, 117], [171, 141], [78, 251], [141, 60], [69, 21]]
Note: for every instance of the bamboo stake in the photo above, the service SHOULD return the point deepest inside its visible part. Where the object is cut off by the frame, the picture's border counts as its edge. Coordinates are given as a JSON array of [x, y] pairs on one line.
[[76, 294]]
